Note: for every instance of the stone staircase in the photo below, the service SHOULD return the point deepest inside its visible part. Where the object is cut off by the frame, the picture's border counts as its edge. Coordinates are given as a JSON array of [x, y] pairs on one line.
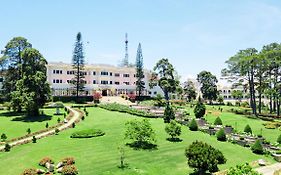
[[115, 99]]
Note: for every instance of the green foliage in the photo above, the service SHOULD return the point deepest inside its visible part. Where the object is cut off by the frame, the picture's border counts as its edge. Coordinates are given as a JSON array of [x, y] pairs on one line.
[[7, 147], [257, 147], [34, 140], [78, 65], [208, 85], [89, 133], [28, 130], [221, 135], [69, 170], [204, 157], [220, 99], [47, 125], [169, 114], [193, 125], [245, 169], [173, 129], [279, 139], [248, 129], [189, 90], [126, 109], [237, 94], [139, 71], [199, 110], [218, 121], [159, 101], [3, 137], [57, 131], [140, 132]]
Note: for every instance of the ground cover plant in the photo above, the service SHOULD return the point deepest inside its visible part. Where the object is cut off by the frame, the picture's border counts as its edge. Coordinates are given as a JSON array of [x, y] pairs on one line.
[[101, 155]]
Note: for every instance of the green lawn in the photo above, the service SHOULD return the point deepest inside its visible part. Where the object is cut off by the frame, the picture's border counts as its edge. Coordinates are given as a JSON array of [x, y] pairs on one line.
[[15, 125], [239, 122], [100, 155]]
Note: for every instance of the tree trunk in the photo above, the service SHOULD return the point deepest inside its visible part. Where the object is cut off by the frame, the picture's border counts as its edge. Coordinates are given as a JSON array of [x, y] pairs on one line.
[[270, 104]]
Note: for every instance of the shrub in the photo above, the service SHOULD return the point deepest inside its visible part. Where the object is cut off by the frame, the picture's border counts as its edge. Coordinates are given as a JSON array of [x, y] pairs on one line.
[[69, 170], [7, 147], [68, 161], [96, 97], [245, 169], [83, 117], [193, 125], [229, 104], [59, 119], [73, 125], [34, 139], [173, 129], [168, 114], [47, 125], [257, 147], [279, 139], [245, 104], [87, 133], [199, 110], [203, 157], [45, 160], [57, 131], [248, 129], [3, 137], [221, 135], [29, 171], [140, 131], [28, 130], [218, 121]]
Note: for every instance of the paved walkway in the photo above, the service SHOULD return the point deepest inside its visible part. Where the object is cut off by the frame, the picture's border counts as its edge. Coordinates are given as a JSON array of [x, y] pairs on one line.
[[47, 133], [269, 170]]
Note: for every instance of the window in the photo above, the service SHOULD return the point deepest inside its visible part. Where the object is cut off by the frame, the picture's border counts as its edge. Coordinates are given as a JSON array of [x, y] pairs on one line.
[[68, 81], [117, 82], [110, 73], [94, 73], [134, 75], [110, 82], [104, 73], [54, 81], [117, 75], [57, 71], [155, 92], [126, 83], [149, 92], [104, 82], [60, 81], [54, 71], [94, 82], [60, 71], [67, 72], [126, 75], [57, 81]]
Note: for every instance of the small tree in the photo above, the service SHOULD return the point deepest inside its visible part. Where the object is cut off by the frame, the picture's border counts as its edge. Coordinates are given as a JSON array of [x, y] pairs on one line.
[[34, 139], [218, 121], [279, 139], [3, 137], [7, 147], [168, 114], [204, 157], [59, 119], [28, 130], [200, 109], [97, 96], [193, 125], [140, 132], [248, 129], [221, 135], [47, 125], [220, 99], [257, 147], [173, 129], [122, 156]]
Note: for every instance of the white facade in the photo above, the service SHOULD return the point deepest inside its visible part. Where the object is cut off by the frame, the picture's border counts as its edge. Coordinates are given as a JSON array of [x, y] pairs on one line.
[[107, 79]]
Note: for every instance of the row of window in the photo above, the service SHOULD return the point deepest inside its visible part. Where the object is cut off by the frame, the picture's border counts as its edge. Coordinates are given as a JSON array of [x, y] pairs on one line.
[[104, 73], [94, 82]]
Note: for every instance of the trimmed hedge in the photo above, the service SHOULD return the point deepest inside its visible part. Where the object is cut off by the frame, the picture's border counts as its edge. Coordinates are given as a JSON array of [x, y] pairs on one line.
[[126, 109], [87, 133], [65, 99]]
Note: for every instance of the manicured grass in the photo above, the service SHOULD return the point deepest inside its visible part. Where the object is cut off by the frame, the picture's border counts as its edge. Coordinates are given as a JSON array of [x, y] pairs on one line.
[[239, 122], [15, 125], [100, 155]]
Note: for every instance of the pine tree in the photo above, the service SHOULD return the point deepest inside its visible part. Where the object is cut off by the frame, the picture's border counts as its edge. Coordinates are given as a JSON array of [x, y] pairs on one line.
[[139, 71], [78, 64]]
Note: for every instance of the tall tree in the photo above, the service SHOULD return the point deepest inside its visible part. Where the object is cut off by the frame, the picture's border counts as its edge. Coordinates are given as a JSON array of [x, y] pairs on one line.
[[32, 90], [139, 71], [189, 90], [165, 77], [13, 62], [208, 85], [78, 64]]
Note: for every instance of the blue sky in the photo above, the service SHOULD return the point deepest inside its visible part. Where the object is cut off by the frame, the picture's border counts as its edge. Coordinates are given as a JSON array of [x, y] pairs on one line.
[[195, 35]]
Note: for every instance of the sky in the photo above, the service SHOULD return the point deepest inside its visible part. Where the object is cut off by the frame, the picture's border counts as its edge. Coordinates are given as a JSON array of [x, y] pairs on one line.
[[194, 35]]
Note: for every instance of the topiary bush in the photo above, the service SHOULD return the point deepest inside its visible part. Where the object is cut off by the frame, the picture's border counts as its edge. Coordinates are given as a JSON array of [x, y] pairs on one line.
[[257, 147], [7, 147], [279, 139], [3, 137], [169, 114], [69, 170], [34, 140], [218, 121], [89, 133], [221, 135], [248, 129], [193, 125], [199, 110], [173, 129], [30, 171], [45, 160]]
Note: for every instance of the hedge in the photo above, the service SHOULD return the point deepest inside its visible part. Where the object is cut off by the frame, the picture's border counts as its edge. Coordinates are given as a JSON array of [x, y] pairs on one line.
[[82, 99]]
